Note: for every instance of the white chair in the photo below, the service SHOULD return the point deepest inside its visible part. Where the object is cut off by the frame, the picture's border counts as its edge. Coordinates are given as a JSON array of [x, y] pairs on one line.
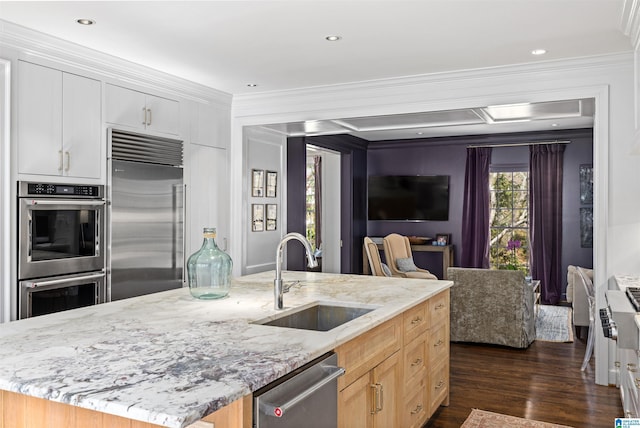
[[591, 297]]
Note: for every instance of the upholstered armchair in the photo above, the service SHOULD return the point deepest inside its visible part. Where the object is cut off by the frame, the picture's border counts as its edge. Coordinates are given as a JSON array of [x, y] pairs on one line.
[[397, 253], [492, 306], [577, 296], [373, 254]]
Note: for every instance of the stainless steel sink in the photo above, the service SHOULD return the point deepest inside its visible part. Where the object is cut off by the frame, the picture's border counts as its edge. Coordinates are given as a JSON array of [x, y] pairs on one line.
[[318, 317]]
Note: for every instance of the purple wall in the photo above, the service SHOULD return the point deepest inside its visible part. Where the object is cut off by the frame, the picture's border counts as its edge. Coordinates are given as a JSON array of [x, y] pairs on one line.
[[447, 156]]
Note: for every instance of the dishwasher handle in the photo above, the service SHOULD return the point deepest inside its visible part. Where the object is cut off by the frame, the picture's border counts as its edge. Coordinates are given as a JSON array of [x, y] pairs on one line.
[[279, 410]]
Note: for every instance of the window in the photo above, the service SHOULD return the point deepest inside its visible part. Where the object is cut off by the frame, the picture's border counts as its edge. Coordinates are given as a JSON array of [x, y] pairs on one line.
[[311, 203], [509, 218]]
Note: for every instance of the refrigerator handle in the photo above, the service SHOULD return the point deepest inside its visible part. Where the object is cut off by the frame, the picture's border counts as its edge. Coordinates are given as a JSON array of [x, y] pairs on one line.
[[184, 235]]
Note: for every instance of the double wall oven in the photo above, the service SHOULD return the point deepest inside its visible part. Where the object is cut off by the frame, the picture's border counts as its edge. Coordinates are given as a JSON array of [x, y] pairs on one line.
[[61, 262]]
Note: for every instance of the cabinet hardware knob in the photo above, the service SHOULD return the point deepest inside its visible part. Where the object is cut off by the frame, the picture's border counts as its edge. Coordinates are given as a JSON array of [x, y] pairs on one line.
[[416, 320], [439, 385], [632, 367], [418, 409], [416, 362], [440, 306], [438, 343], [636, 381]]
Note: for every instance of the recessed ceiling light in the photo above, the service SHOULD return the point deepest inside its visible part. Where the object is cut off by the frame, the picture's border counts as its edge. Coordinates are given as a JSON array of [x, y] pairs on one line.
[[419, 133], [554, 124], [333, 38], [85, 21], [252, 85], [538, 52]]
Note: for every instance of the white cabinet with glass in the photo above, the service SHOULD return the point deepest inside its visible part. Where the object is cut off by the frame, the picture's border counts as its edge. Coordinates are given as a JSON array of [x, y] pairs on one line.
[[58, 123]]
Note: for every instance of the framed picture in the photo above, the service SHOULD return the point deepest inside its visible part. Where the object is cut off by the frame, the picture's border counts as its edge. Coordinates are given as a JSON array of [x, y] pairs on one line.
[[272, 184], [586, 184], [272, 216], [257, 183], [257, 217], [586, 227], [442, 239]]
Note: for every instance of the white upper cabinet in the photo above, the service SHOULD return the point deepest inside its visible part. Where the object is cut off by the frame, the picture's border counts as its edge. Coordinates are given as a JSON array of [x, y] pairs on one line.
[[59, 123], [210, 125], [141, 111]]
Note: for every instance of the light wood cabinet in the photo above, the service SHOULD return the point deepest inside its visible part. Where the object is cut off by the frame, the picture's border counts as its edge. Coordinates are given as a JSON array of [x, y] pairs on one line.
[[59, 123], [141, 111], [410, 383]]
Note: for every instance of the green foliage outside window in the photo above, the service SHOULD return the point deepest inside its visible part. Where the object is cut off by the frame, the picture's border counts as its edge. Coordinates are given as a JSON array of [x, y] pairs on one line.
[[509, 220]]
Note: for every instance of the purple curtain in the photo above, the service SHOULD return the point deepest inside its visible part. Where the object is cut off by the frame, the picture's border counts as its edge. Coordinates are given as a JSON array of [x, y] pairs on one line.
[[317, 170], [545, 214], [475, 215]]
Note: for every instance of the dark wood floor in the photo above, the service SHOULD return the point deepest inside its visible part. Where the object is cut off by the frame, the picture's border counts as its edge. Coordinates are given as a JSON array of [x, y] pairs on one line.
[[543, 382]]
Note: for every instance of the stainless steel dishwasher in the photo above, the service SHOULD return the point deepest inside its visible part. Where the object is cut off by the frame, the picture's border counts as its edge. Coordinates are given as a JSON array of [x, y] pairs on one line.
[[307, 397]]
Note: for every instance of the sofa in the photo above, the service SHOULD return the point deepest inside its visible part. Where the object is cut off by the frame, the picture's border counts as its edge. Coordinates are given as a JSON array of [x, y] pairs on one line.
[[577, 296], [491, 306]]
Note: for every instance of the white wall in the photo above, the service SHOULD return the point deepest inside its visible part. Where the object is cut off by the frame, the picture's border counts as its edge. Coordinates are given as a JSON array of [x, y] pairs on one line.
[[265, 150], [608, 79]]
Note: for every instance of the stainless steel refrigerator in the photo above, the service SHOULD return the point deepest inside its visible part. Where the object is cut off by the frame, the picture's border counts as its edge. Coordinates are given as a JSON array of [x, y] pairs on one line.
[[146, 215]]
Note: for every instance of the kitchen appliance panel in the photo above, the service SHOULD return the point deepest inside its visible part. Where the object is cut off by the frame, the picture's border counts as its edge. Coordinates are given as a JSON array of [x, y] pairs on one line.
[[146, 229], [48, 295], [308, 397], [60, 229]]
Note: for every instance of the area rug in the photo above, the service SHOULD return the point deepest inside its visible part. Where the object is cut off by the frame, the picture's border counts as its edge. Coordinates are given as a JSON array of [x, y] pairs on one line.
[[553, 324], [484, 419]]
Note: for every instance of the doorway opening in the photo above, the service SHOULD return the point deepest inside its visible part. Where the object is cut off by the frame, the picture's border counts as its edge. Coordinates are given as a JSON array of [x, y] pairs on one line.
[[322, 205]]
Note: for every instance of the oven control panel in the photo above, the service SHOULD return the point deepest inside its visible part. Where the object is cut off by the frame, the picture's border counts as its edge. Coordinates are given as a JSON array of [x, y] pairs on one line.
[[60, 190]]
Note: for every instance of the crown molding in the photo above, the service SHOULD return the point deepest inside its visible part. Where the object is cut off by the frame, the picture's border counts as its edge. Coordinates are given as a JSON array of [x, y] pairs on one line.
[[630, 21], [249, 104], [36, 45]]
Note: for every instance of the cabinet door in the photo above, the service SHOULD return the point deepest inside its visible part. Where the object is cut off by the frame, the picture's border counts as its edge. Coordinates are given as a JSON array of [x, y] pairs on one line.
[[387, 378], [163, 115], [39, 120], [81, 126], [209, 125], [208, 194], [354, 404], [124, 107]]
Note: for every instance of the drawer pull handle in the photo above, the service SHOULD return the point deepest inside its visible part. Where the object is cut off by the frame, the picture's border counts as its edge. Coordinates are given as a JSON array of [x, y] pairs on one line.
[[418, 409], [440, 306], [416, 320], [438, 343], [636, 381], [439, 385], [416, 362], [144, 112], [61, 163], [632, 367]]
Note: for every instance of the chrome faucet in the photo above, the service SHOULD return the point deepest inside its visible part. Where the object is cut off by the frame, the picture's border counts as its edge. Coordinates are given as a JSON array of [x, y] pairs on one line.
[[278, 288]]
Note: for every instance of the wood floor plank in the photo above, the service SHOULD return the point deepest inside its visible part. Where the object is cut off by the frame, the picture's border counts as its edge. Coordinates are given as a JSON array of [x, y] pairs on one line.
[[543, 382]]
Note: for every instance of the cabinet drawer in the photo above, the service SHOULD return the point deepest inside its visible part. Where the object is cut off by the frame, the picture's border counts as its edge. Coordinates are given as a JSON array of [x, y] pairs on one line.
[[415, 409], [439, 385], [439, 308], [415, 359], [438, 344], [368, 350], [416, 321]]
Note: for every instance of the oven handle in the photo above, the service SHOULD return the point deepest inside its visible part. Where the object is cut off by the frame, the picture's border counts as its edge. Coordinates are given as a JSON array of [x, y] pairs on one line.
[[34, 284], [32, 202]]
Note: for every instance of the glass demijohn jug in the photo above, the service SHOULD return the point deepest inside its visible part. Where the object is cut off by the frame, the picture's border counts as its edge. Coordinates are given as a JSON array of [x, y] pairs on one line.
[[209, 269]]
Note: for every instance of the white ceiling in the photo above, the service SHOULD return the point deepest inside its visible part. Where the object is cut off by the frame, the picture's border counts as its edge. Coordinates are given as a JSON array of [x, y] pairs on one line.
[[280, 45]]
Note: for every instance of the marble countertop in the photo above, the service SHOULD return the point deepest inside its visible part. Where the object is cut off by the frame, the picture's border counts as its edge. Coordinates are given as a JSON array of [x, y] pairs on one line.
[[170, 359], [626, 281]]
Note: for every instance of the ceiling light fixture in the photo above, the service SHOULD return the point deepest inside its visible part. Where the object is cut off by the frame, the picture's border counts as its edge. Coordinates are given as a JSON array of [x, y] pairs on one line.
[[333, 38], [85, 21], [252, 85], [538, 52]]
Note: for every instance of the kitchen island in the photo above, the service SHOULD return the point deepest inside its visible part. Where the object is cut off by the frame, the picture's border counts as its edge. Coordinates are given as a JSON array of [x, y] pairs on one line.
[[171, 360]]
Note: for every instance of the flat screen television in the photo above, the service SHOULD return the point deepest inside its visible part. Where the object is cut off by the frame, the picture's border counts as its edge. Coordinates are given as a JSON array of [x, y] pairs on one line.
[[408, 197]]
